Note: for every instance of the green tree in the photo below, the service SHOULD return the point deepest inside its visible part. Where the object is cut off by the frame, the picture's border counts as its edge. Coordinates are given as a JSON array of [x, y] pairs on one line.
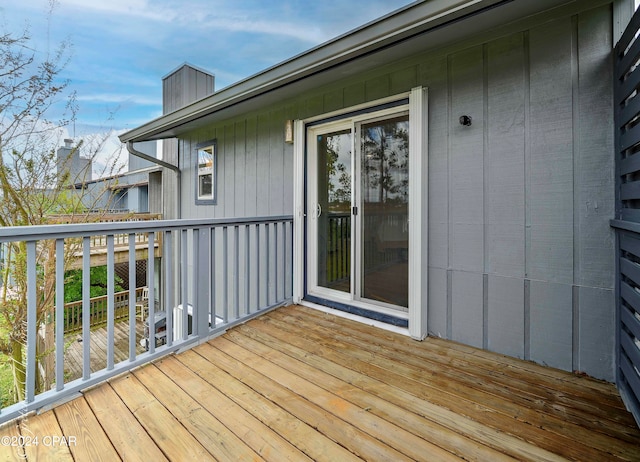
[[98, 284]]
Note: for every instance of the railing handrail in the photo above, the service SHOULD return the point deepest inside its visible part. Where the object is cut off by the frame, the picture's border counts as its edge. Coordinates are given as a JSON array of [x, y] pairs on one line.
[[62, 218], [42, 232]]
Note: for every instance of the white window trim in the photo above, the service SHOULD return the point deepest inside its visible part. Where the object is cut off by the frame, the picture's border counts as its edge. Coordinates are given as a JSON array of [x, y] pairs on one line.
[[209, 199]]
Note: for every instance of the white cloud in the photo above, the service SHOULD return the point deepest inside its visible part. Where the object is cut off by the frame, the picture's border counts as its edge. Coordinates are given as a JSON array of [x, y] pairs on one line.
[[119, 98]]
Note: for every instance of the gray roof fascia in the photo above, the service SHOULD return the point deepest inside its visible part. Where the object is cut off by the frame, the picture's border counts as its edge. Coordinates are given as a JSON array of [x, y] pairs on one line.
[[406, 22]]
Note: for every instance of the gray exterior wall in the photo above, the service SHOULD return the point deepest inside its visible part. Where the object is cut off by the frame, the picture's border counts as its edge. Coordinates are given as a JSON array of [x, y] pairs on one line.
[[521, 257]]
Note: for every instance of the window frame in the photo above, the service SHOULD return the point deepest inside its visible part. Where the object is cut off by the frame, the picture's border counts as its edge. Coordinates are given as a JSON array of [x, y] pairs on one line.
[[208, 199]]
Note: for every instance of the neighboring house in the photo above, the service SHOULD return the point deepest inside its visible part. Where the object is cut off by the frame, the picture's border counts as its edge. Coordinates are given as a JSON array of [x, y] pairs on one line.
[[122, 192], [449, 168]]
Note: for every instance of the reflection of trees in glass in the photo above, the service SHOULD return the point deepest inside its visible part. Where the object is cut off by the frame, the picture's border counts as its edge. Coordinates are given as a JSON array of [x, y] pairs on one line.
[[385, 161], [338, 174]]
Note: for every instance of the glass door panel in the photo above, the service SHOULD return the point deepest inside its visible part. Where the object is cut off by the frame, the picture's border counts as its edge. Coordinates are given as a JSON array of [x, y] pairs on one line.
[[333, 210], [384, 192]]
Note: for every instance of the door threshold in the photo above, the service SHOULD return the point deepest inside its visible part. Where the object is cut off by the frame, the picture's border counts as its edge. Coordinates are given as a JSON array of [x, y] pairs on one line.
[[369, 317]]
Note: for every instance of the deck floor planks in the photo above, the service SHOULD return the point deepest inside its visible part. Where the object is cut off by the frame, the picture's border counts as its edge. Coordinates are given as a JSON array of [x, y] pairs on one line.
[[438, 421], [359, 418], [298, 384], [528, 392], [326, 377], [471, 401], [200, 423], [41, 427], [555, 422], [332, 428], [167, 432], [494, 363], [89, 440], [264, 441], [274, 417], [426, 396], [98, 350], [10, 449], [543, 381], [120, 425]]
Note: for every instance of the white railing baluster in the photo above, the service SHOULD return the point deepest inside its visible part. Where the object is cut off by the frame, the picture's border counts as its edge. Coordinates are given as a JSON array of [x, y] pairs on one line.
[[32, 321], [258, 269], [276, 257], [59, 314], [196, 302], [111, 312], [268, 262], [225, 275], [184, 278], [235, 272], [132, 297], [86, 308], [168, 284], [247, 269], [151, 285], [212, 275], [289, 249]]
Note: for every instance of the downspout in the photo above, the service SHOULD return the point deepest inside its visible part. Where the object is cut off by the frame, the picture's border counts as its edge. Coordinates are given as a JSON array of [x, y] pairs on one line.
[[162, 163]]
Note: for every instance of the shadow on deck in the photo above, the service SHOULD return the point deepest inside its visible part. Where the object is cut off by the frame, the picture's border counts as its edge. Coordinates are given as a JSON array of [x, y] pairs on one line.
[[298, 384]]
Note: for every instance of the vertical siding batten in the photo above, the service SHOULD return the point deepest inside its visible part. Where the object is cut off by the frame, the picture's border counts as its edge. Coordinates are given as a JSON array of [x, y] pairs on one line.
[[467, 195]]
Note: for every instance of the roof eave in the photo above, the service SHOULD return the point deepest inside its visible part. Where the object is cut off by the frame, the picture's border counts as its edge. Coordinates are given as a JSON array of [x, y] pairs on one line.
[[416, 18]]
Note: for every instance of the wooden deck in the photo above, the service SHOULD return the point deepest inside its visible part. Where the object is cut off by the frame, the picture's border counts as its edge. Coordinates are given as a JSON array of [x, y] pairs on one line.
[[297, 384], [73, 351]]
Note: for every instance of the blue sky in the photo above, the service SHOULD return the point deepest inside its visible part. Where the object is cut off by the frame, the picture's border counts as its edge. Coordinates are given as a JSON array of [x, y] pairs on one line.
[[121, 49]]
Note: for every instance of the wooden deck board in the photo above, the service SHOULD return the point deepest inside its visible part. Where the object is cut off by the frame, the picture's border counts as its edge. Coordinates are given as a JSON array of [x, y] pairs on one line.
[[98, 348], [298, 384], [120, 425], [39, 432], [89, 441], [11, 449], [444, 427], [480, 388]]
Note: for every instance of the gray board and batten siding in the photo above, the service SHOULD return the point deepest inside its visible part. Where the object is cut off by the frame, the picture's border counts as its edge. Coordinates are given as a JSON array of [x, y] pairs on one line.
[[521, 255]]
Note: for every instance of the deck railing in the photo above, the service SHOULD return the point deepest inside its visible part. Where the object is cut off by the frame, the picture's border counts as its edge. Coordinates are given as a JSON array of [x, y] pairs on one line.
[[224, 272]]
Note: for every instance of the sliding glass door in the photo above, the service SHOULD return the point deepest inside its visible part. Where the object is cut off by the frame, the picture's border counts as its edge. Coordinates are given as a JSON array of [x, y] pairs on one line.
[[357, 210]]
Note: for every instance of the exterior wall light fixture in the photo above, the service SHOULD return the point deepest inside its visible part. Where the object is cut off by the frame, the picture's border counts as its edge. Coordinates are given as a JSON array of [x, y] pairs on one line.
[[288, 131]]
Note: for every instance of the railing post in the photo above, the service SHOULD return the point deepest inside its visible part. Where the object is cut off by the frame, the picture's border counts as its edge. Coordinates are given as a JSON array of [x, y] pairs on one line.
[[60, 314], [132, 297], [110, 301], [201, 267], [169, 301], [184, 277], [32, 321], [86, 308]]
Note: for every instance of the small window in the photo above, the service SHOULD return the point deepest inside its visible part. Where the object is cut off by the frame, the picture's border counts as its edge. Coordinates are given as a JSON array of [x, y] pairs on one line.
[[205, 172]]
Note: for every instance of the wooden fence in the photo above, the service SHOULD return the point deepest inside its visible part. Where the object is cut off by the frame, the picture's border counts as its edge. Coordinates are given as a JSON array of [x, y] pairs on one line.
[[98, 307]]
